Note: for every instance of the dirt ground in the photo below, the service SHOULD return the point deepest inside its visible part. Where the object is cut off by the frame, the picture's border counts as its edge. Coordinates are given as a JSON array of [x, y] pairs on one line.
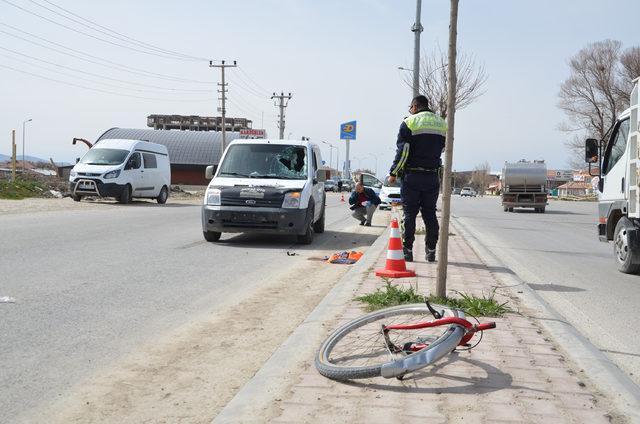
[[192, 373]]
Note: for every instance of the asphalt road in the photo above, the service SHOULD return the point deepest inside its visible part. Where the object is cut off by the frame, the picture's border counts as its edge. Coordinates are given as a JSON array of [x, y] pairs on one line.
[[559, 255], [92, 285]]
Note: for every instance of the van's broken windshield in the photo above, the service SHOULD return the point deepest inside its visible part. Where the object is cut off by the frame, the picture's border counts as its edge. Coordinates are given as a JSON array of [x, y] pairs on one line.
[[265, 161]]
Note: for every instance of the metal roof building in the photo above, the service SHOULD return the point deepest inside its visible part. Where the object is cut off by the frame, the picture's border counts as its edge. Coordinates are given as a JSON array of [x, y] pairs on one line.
[[190, 152]]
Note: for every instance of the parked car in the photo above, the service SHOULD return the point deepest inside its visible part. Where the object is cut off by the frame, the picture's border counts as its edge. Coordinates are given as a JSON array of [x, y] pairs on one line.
[[468, 192], [389, 194], [330, 185], [123, 169], [371, 182], [456, 190], [347, 185], [266, 186]]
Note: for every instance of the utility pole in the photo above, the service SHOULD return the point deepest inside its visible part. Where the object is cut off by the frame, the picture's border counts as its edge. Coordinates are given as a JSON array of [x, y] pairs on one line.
[[13, 155], [24, 123], [416, 29], [443, 256], [283, 101], [223, 91]]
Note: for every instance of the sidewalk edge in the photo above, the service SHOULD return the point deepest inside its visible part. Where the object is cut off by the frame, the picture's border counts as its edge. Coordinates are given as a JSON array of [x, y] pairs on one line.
[[301, 345], [605, 375]]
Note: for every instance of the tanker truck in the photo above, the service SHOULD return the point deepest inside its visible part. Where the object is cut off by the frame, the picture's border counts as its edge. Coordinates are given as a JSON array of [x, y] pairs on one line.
[[524, 185], [617, 161]]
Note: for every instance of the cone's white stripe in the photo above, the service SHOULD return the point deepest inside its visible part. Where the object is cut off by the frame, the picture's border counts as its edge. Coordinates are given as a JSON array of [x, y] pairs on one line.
[[395, 233], [395, 255]]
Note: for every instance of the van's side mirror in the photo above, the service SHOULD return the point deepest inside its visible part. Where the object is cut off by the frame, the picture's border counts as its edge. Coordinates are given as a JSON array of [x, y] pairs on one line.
[[208, 173], [321, 175], [591, 149], [77, 160]]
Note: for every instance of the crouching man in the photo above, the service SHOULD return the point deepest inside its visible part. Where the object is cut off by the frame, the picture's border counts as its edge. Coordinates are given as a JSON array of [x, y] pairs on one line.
[[364, 202]]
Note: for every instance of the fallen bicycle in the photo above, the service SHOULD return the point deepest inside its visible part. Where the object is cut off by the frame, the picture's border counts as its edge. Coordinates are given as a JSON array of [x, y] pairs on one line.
[[395, 341]]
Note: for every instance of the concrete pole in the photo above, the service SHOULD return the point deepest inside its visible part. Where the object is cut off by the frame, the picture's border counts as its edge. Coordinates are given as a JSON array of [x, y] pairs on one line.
[[224, 112], [416, 29], [13, 155], [347, 167], [281, 116], [24, 123], [443, 257]]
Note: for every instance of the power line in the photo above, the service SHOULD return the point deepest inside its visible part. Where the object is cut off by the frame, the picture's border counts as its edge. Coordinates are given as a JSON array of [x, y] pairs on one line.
[[111, 64], [260, 88], [85, 33], [103, 76], [108, 31], [100, 90], [82, 78]]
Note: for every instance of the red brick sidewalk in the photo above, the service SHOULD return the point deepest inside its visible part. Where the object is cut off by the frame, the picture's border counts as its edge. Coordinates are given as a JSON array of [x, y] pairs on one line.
[[516, 375]]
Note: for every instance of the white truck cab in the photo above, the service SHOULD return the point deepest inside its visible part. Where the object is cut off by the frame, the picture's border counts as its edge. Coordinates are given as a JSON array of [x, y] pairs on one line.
[[122, 169], [266, 186], [618, 161]]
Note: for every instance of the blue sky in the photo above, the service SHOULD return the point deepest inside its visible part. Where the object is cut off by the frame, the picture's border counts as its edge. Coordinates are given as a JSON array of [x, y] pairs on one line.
[[338, 58]]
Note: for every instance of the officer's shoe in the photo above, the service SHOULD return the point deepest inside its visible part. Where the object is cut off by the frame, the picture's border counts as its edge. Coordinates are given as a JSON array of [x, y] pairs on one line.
[[431, 255], [408, 254]]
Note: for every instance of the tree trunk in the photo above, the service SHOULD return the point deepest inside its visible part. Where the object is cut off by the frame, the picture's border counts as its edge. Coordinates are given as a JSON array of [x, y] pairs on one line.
[[441, 282]]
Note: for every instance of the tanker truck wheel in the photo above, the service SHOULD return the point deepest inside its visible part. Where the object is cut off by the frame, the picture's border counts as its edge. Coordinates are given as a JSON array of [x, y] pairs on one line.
[[505, 209], [510, 209], [628, 259]]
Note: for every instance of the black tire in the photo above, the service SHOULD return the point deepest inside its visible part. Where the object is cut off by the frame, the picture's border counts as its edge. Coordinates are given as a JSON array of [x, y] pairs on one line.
[[76, 197], [211, 236], [541, 210], [125, 196], [318, 227], [505, 209], [510, 209], [327, 366], [307, 237], [163, 196], [628, 259]]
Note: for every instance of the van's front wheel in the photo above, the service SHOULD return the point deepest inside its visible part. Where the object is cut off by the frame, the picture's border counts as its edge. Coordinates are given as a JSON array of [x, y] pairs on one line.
[[211, 235], [125, 196], [307, 237]]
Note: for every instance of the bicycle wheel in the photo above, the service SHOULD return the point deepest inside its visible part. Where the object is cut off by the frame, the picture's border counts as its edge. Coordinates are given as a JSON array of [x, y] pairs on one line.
[[358, 349]]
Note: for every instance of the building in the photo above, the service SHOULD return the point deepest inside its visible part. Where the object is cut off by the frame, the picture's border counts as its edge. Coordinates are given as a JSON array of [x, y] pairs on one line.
[[196, 123], [190, 152], [575, 188]]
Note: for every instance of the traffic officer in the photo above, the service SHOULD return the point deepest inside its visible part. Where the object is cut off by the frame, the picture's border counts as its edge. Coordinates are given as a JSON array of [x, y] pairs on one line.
[[420, 143]]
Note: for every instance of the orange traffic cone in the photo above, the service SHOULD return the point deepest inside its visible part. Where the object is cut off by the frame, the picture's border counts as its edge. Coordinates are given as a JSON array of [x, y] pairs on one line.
[[395, 267], [341, 196]]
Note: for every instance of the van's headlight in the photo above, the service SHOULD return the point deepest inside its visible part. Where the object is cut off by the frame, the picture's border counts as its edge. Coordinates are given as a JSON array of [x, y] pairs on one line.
[[213, 197], [112, 174], [73, 174], [291, 200]]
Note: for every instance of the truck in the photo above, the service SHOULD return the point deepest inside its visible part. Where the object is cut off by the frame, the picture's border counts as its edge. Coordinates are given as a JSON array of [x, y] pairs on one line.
[[618, 171], [524, 185]]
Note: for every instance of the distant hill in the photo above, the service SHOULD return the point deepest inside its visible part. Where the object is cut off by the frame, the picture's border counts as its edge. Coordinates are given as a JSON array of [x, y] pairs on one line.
[[4, 158]]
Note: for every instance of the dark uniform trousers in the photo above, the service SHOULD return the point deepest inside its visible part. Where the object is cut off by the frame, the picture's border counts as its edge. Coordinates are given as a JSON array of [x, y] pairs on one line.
[[419, 192]]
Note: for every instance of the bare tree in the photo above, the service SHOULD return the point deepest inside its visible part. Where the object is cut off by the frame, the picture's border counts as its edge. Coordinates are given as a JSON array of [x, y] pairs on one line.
[[480, 177], [470, 80], [596, 91]]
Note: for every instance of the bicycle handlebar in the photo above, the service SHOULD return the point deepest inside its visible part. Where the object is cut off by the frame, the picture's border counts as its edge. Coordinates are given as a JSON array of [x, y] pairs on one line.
[[486, 326]]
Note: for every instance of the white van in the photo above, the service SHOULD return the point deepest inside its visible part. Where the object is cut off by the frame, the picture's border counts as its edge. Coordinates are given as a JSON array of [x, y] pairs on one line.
[[267, 186], [122, 169]]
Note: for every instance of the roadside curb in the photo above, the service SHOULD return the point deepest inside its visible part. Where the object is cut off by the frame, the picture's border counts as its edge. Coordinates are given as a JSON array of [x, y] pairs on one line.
[[301, 346], [616, 385]]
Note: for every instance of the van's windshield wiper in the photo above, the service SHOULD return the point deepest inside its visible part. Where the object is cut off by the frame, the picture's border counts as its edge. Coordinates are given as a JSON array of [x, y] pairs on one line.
[[234, 174]]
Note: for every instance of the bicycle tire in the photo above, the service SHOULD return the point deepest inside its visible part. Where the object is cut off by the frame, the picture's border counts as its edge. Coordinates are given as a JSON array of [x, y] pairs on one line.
[[332, 370]]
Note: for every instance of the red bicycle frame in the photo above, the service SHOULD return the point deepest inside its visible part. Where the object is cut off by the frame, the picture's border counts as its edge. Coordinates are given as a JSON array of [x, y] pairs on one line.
[[470, 328]]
